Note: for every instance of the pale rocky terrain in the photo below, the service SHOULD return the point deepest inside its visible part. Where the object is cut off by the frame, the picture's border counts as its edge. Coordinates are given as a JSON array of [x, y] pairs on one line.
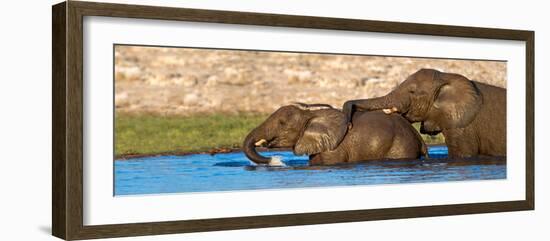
[[182, 81]]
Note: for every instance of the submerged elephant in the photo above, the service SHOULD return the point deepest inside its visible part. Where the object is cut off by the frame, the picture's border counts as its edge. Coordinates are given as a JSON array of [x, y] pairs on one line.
[[321, 132], [471, 115]]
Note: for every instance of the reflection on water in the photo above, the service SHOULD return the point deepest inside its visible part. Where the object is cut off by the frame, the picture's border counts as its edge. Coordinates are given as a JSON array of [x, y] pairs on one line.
[[233, 171]]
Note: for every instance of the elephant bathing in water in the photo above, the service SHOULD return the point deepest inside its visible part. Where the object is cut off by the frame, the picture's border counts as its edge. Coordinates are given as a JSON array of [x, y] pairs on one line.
[[321, 132], [471, 115]]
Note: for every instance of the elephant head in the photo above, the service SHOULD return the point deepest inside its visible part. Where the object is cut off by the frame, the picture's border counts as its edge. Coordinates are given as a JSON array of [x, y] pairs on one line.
[[438, 100], [307, 129]]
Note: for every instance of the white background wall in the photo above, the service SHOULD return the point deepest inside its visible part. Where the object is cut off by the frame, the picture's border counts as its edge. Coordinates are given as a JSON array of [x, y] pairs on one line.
[[25, 120]]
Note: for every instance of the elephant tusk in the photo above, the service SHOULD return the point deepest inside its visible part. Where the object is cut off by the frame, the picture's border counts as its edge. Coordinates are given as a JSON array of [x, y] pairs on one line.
[[260, 142], [389, 111]]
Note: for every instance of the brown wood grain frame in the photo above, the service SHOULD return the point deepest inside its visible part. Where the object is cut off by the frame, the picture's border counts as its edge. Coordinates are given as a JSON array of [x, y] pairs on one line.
[[67, 123]]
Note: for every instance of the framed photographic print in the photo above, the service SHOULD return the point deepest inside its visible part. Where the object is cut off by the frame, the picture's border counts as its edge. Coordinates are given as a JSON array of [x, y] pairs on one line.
[[171, 120]]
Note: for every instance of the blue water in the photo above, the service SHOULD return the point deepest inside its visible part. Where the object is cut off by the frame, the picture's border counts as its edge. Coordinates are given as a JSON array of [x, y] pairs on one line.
[[233, 171]]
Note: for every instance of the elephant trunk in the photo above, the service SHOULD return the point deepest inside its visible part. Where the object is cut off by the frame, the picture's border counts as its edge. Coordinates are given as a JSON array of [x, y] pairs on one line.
[[389, 103], [249, 147]]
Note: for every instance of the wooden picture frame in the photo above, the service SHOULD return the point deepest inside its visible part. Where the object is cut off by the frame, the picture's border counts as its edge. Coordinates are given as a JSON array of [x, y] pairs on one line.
[[67, 124]]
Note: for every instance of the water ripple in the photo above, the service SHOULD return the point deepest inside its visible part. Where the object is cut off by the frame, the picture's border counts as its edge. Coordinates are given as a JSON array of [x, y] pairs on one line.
[[233, 171]]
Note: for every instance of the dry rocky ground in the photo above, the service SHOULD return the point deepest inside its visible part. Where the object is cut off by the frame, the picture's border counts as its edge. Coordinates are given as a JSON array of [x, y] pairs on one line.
[[182, 81]]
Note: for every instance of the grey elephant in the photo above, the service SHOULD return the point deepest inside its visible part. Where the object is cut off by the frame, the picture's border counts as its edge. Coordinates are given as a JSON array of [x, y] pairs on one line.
[[471, 115], [321, 132]]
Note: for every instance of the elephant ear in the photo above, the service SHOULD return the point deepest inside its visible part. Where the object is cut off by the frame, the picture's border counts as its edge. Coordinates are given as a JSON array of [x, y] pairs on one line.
[[323, 132], [457, 101]]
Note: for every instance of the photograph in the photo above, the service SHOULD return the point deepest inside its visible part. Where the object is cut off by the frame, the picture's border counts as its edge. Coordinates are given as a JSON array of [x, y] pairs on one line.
[[170, 119], [191, 119]]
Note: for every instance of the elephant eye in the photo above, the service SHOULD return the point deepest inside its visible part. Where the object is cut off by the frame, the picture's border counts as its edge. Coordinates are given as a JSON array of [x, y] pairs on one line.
[[411, 91], [282, 123]]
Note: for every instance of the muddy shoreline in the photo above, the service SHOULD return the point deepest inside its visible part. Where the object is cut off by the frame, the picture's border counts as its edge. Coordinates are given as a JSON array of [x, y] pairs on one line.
[[124, 157]]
